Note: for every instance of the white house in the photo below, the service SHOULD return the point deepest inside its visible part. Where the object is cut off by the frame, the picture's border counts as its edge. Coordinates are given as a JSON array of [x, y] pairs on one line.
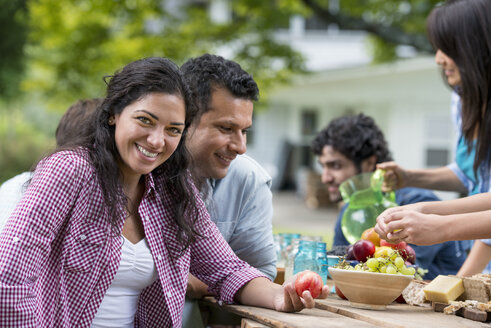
[[408, 100]]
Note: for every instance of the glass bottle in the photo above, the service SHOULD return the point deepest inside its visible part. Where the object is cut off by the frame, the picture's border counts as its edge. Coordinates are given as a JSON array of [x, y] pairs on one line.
[[322, 261], [306, 257], [285, 247], [284, 242], [277, 246], [291, 258]]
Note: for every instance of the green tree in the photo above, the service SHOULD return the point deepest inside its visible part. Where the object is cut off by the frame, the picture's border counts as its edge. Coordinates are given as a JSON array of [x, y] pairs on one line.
[[390, 22], [13, 35], [393, 21], [62, 49], [22, 143], [72, 44]]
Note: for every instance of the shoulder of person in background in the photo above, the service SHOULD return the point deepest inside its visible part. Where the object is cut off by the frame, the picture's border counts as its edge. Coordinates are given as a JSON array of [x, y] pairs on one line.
[[339, 239], [244, 166], [241, 206], [11, 192], [410, 195]]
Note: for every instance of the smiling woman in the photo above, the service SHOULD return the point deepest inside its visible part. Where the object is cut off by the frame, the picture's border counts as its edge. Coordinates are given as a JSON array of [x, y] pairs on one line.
[[147, 132], [110, 226], [93, 196]]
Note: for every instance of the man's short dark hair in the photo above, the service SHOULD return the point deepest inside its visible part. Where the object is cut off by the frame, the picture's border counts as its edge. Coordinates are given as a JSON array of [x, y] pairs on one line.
[[209, 72], [355, 136]]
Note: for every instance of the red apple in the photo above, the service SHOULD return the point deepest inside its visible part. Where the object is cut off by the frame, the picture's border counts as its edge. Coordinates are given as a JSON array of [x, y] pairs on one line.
[[340, 294], [309, 280], [349, 254], [363, 249], [399, 246], [408, 254]]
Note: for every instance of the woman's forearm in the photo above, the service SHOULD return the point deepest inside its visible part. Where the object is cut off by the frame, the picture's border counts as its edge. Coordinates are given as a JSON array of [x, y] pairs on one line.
[[477, 260], [441, 178], [475, 203], [254, 293], [467, 226], [405, 224], [264, 293]]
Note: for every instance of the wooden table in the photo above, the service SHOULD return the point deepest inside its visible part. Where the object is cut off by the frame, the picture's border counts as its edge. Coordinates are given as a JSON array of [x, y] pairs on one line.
[[335, 312]]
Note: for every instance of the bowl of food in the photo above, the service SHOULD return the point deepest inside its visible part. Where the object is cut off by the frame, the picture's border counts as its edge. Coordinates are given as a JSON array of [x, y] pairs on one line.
[[369, 290]]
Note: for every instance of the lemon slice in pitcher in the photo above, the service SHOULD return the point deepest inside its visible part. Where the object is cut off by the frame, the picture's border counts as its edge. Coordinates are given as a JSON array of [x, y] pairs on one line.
[[377, 179]]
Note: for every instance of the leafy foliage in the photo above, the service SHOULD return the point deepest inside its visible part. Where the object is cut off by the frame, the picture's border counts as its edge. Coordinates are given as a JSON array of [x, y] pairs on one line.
[[61, 50], [390, 21], [13, 35], [22, 144], [72, 44]]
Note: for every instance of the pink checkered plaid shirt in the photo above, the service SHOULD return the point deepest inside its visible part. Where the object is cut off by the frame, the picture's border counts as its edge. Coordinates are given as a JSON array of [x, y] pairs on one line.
[[58, 255]]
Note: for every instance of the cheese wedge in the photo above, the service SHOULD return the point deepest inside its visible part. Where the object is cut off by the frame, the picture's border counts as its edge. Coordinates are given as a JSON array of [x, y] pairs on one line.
[[444, 289]]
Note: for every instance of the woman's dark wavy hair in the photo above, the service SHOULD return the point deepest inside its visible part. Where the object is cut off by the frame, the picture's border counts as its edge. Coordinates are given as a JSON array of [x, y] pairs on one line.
[[355, 136], [462, 30], [135, 81], [206, 72]]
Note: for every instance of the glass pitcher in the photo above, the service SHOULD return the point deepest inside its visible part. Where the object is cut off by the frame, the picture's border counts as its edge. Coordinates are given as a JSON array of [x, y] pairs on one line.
[[366, 201]]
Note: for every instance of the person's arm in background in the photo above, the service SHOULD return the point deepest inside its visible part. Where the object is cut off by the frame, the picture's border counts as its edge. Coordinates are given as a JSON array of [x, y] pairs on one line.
[[443, 178], [478, 258], [428, 229], [475, 203]]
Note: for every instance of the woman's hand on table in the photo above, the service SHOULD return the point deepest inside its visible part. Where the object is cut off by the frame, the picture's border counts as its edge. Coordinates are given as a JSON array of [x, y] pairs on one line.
[[287, 300], [196, 289]]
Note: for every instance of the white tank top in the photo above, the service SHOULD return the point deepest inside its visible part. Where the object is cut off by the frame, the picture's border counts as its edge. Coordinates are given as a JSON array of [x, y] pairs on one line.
[[136, 271]]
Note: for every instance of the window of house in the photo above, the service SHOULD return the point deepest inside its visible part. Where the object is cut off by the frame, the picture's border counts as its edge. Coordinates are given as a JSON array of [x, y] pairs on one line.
[[309, 122], [438, 132], [436, 157], [314, 23]]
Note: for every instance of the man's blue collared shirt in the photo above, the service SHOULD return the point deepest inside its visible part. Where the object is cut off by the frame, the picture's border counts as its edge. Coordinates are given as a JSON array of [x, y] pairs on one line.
[[241, 206]]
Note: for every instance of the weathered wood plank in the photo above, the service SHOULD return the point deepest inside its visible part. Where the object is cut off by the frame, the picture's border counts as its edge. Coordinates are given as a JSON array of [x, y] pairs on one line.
[[311, 318], [397, 315], [248, 323]]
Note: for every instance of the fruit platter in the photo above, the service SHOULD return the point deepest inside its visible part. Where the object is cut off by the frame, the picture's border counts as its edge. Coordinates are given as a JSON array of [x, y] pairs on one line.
[[374, 272], [369, 290]]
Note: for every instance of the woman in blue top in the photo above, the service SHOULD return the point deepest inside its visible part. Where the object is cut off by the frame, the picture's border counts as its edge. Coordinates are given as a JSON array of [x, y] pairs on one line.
[[460, 31]]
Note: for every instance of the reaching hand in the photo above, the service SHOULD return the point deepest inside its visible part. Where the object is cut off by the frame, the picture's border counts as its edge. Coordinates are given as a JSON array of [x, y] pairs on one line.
[[395, 177], [404, 224]]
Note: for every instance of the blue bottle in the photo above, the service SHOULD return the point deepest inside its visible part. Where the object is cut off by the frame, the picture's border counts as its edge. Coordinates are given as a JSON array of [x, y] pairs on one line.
[[306, 257], [322, 260]]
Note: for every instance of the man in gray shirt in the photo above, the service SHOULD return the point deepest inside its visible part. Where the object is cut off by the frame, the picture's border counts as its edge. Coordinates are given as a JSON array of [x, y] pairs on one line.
[[235, 188]]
